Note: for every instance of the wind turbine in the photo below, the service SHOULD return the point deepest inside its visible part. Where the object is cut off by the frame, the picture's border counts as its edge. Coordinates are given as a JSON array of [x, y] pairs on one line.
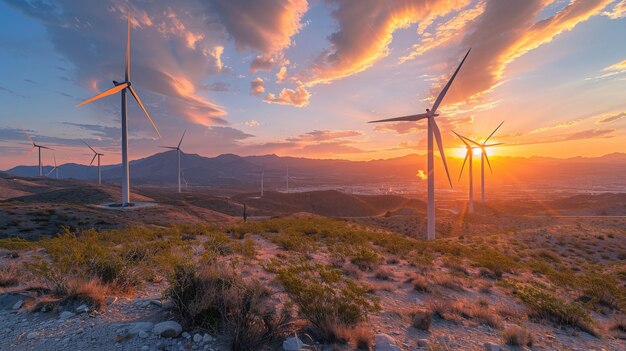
[[55, 168], [39, 147], [433, 131], [123, 87], [468, 154], [177, 148], [483, 156], [95, 154]]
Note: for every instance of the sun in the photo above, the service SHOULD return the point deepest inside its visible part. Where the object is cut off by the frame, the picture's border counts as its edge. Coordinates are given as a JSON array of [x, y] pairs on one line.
[[477, 151]]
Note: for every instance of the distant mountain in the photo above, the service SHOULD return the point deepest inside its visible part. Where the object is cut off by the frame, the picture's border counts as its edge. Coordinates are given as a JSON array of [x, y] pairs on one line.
[[243, 173]]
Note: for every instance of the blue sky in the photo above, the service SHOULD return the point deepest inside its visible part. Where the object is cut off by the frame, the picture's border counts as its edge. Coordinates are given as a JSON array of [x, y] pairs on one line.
[[555, 71]]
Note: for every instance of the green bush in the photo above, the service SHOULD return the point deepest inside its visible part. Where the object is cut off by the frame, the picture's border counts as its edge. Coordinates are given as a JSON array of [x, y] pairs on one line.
[[326, 298], [365, 258]]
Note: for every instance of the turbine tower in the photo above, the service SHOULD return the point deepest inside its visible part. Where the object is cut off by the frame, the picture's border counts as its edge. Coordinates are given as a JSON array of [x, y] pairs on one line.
[[433, 132], [483, 156], [468, 154], [95, 154], [55, 168], [123, 87], [177, 148], [39, 147]]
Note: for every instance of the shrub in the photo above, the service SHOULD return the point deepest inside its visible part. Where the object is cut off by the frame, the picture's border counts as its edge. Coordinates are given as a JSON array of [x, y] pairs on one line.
[[517, 336], [383, 274], [326, 298], [422, 319], [218, 298], [420, 283], [553, 308], [8, 275], [365, 258], [16, 244], [604, 291], [362, 337]]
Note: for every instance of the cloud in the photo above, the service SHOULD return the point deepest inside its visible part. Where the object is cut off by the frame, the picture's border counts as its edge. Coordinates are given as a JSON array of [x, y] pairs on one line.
[[560, 125], [298, 97], [173, 51], [618, 11], [611, 71], [281, 75], [98, 131], [365, 31], [12, 92], [218, 86], [325, 135], [256, 87], [266, 27], [611, 118], [581, 135], [505, 31], [252, 123]]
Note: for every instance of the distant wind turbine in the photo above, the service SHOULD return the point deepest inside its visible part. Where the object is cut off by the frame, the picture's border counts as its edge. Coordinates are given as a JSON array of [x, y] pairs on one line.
[[433, 131], [483, 156], [122, 87], [177, 148], [39, 147], [55, 168], [95, 154], [468, 154]]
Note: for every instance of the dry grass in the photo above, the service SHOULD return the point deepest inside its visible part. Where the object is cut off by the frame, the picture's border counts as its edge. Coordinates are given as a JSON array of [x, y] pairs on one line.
[[420, 283], [517, 336], [449, 282], [455, 310], [361, 337], [72, 293], [383, 274], [9, 274]]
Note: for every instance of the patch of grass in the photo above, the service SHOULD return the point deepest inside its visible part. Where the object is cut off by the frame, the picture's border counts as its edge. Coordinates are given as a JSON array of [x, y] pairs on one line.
[[383, 274], [16, 244], [421, 284], [604, 291], [421, 319], [9, 275], [547, 306], [326, 298], [365, 258], [217, 298], [515, 335]]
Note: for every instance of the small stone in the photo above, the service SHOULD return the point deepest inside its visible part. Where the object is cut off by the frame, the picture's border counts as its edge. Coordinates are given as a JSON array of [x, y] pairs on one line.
[[145, 348], [168, 305], [207, 338], [491, 347], [156, 303], [186, 335], [18, 304], [422, 342], [385, 342], [137, 327], [31, 335], [66, 315], [142, 334], [197, 338], [82, 309], [293, 344], [168, 329]]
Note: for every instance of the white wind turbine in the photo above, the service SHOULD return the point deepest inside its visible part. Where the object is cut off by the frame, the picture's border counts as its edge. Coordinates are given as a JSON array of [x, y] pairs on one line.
[[433, 131], [468, 154], [177, 148], [122, 87], [95, 154], [483, 156], [55, 168], [39, 147]]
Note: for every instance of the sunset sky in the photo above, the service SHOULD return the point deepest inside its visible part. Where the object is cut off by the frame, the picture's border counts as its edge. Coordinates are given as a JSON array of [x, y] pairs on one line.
[[302, 78]]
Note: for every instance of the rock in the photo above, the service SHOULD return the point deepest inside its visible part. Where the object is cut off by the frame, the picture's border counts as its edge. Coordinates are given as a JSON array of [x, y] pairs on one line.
[[136, 328], [422, 342], [186, 335], [491, 347], [168, 305], [422, 319], [207, 338], [293, 344], [156, 303], [82, 309], [142, 334], [31, 335], [17, 305], [385, 342], [197, 338], [145, 348], [167, 329], [66, 315], [110, 300]]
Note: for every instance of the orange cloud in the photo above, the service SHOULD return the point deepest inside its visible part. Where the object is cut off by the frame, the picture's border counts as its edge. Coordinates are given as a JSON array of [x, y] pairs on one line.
[[325, 135], [366, 30], [298, 97], [618, 11], [611, 118], [256, 86]]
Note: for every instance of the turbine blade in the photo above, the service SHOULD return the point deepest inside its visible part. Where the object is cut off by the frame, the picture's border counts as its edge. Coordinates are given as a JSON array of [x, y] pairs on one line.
[[443, 92], [462, 138], [132, 91], [44, 147], [55, 160], [111, 91], [94, 157], [492, 133], [94, 151], [169, 147], [472, 141], [410, 118], [181, 138], [465, 160], [488, 163], [441, 152], [52, 170], [496, 144], [127, 68]]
